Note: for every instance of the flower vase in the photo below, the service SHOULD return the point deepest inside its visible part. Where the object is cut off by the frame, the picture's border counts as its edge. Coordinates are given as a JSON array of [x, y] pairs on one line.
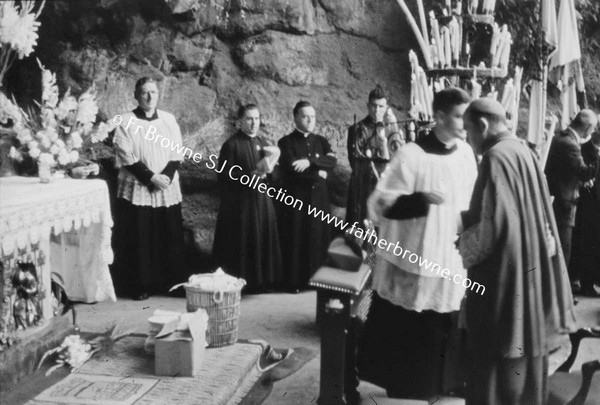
[[44, 172]]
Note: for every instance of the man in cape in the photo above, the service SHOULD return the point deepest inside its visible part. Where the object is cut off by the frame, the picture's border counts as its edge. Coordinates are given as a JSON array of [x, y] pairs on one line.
[[510, 247]]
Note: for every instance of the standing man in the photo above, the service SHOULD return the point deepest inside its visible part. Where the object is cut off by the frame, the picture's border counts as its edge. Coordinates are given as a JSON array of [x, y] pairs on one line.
[[367, 154], [306, 158], [148, 228], [509, 247], [566, 171], [417, 203], [246, 238], [586, 258]]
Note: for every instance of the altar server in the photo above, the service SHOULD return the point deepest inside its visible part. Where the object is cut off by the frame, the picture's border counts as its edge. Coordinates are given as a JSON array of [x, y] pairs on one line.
[[148, 228], [306, 159], [417, 203], [246, 238]]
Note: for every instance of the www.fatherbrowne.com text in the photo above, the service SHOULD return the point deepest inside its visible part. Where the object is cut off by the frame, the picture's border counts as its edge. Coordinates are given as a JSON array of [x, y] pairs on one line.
[[254, 181]]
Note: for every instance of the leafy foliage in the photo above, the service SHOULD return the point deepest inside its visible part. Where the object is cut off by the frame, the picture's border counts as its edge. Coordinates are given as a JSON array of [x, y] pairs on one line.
[[522, 16]]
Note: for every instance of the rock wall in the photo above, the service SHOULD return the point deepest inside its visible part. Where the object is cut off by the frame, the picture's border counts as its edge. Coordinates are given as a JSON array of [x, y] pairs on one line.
[[213, 55]]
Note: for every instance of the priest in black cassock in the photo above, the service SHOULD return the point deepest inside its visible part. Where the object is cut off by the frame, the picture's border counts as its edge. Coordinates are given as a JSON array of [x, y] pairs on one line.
[[510, 247], [305, 161], [246, 237]]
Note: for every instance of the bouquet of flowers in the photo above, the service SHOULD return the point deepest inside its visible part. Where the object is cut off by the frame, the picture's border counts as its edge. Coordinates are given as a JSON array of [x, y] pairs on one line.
[[62, 132], [18, 32]]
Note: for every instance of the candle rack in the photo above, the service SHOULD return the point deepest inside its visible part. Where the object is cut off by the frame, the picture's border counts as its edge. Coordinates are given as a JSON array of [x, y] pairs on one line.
[[463, 47]]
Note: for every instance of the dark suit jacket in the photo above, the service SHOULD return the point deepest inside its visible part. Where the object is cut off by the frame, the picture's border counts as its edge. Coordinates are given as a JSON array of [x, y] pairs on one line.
[[590, 154], [565, 171]]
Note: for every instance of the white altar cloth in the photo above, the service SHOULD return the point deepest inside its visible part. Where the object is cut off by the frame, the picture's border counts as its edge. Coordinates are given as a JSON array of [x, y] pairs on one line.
[[77, 213]]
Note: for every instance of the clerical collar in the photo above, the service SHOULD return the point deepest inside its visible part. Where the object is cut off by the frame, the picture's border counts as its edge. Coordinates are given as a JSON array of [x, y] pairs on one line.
[[431, 144], [304, 134], [141, 114]]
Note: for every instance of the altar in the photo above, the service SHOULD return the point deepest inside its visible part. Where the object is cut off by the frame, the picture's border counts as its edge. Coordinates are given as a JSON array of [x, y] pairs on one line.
[[51, 235]]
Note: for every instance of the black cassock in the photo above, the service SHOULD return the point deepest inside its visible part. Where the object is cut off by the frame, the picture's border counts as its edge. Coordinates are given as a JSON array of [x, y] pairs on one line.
[[304, 238], [246, 237]]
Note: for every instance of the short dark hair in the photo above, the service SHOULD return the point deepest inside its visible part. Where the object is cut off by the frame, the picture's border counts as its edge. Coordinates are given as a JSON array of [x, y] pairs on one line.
[[246, 107], [141, 82], [449, 98], [377, 93], [299, 105]]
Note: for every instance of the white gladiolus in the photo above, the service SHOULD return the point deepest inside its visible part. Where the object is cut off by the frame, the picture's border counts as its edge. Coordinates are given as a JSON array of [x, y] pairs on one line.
[[64, 158], [52, 134], [49, 88], [87, 108], [102, 132], [34, 152], [66, 106], [46, 158], [18, 29], [24, 135], [74, 156], [45, 142], [76, 138], [8, 110]]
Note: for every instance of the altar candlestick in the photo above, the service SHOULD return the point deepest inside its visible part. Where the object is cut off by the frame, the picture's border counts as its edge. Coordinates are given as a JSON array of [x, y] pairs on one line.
[[445, 32], [435, 34]]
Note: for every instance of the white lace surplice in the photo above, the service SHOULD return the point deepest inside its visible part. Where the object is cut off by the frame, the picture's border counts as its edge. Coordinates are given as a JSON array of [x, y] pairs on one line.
[[136, 140], [413, 285]]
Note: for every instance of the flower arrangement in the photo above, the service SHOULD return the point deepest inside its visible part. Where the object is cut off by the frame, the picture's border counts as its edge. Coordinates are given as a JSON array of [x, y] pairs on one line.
[[18, 32], [75, 350], [63, 131]]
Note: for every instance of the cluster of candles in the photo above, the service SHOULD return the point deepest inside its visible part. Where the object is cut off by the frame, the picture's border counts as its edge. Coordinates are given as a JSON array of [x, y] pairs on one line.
[[422, 90], [487, 6], [421, 94], [500, 47], [445, 42], [445, 47]]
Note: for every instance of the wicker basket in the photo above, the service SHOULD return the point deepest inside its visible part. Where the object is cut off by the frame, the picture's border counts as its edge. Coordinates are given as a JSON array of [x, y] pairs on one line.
[[223, 308]]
